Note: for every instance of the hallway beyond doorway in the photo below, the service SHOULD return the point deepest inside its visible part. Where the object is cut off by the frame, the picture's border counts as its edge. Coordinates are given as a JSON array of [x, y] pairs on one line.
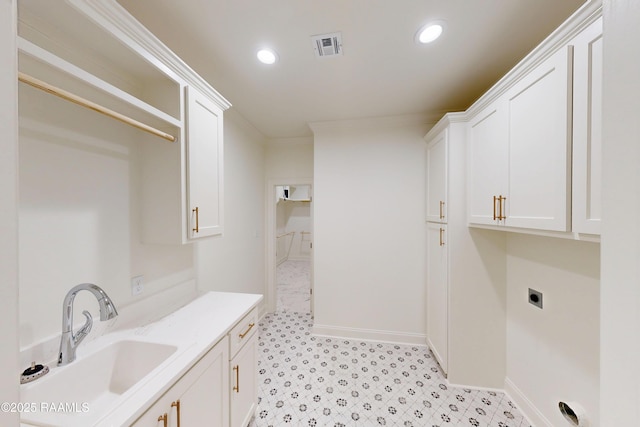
[[293, 278]]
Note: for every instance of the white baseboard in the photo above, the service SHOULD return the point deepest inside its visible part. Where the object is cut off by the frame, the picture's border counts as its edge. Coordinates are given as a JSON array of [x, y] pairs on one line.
[[441, 361], [528, 409], [298, 258], [262, 309], [370, 335]]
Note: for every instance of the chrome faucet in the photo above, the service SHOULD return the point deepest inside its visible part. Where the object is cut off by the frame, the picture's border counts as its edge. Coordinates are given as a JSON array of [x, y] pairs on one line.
[[70, 341]]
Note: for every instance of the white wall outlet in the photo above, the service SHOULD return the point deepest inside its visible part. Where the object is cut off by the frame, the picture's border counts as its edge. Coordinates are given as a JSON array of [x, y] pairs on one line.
[[137, 285]]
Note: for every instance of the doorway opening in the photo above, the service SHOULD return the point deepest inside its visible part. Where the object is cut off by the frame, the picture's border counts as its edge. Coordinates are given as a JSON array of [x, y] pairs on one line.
[[290, 247]]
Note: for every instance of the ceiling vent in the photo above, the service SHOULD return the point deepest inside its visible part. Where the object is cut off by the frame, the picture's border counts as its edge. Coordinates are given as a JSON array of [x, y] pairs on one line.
[[326, 45]]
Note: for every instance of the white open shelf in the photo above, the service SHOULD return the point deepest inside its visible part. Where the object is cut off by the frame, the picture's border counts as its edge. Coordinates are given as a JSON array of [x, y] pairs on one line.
[[55, 46]]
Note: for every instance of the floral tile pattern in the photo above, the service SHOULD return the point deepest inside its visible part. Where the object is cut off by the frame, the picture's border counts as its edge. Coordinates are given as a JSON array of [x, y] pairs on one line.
[[307, 380]]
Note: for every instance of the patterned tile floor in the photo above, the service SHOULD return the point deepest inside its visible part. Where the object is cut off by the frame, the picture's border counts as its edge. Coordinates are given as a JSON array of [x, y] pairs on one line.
[[293, 278], [306, 380]]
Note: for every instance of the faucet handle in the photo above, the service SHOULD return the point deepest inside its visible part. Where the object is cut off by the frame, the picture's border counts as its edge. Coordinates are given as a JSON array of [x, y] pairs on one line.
[[85, 329]]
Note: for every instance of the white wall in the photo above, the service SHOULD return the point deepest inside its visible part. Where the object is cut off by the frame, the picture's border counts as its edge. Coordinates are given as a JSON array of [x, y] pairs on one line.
[[234, 262], [552, 352], [368, 222], [9, 392], [289, 158], [80, 215], [620, 290]]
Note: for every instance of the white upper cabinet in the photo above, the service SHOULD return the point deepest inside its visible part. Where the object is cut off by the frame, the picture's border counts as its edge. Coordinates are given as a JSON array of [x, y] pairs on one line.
[[204, 167], [587, 130], [539, 127], [437, 178], [488, 164], [519, 152], [535, 137], [182, 184]]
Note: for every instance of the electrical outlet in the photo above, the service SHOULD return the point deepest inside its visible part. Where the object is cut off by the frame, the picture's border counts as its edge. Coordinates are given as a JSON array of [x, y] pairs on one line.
[[137, 285], [535, 298]]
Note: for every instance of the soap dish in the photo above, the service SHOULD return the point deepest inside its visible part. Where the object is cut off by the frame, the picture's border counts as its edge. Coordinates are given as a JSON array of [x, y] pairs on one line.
[[33, 372]]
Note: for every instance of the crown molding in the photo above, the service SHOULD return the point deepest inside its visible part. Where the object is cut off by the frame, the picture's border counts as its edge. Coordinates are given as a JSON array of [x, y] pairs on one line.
[[374, 123], [447, 120], [116, 20], [580, 19]]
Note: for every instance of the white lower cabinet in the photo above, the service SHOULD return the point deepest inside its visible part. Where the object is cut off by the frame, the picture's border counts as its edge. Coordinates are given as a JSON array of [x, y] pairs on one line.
[[199, 398], [220, 390], [244, 387], [437, 293], [243, 367]]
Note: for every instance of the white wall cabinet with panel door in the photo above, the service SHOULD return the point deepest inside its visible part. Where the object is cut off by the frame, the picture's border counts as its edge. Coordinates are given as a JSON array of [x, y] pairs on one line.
[[488, 164], [587, 130], [205, 166], [436, 202], [534, 162], [182, 184], [519, 159], [539, 126], [199, 398]]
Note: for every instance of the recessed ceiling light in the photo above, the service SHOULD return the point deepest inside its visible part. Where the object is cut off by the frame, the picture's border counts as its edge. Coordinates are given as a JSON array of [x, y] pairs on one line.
[[430, 32], [267, 56]]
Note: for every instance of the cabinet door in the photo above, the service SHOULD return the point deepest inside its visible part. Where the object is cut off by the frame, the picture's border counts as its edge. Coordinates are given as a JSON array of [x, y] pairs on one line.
[[205, 402], [437, 293], [488, 162], [205, 165], [202, 393], [244, 386], [539, 108], [437, 178], [587, 129]]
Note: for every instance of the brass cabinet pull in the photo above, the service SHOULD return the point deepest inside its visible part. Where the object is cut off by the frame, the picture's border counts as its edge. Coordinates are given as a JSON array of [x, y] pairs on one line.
[[197, 229], [441, 209], [442, 237], [502, 200], [236, 387], [163, 418], [176, 405], [498, 214], [251, 325], [503, 206]]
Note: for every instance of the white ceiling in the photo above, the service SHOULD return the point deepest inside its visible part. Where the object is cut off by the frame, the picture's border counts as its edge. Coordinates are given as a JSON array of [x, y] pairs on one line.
[[383, 72]]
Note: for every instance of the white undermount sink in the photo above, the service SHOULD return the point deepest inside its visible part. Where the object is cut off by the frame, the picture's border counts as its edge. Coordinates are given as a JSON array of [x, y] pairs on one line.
[[89, 386]]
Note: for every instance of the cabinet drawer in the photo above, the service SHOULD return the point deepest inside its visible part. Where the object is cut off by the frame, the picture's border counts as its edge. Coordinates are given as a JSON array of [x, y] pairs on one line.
[[243, 331]]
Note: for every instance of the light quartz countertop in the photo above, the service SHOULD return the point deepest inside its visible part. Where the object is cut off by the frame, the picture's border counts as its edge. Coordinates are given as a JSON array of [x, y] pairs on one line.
[[194, 329]]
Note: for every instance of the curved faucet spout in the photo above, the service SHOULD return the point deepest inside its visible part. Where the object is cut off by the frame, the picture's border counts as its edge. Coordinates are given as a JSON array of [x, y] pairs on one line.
[[70, 341]]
